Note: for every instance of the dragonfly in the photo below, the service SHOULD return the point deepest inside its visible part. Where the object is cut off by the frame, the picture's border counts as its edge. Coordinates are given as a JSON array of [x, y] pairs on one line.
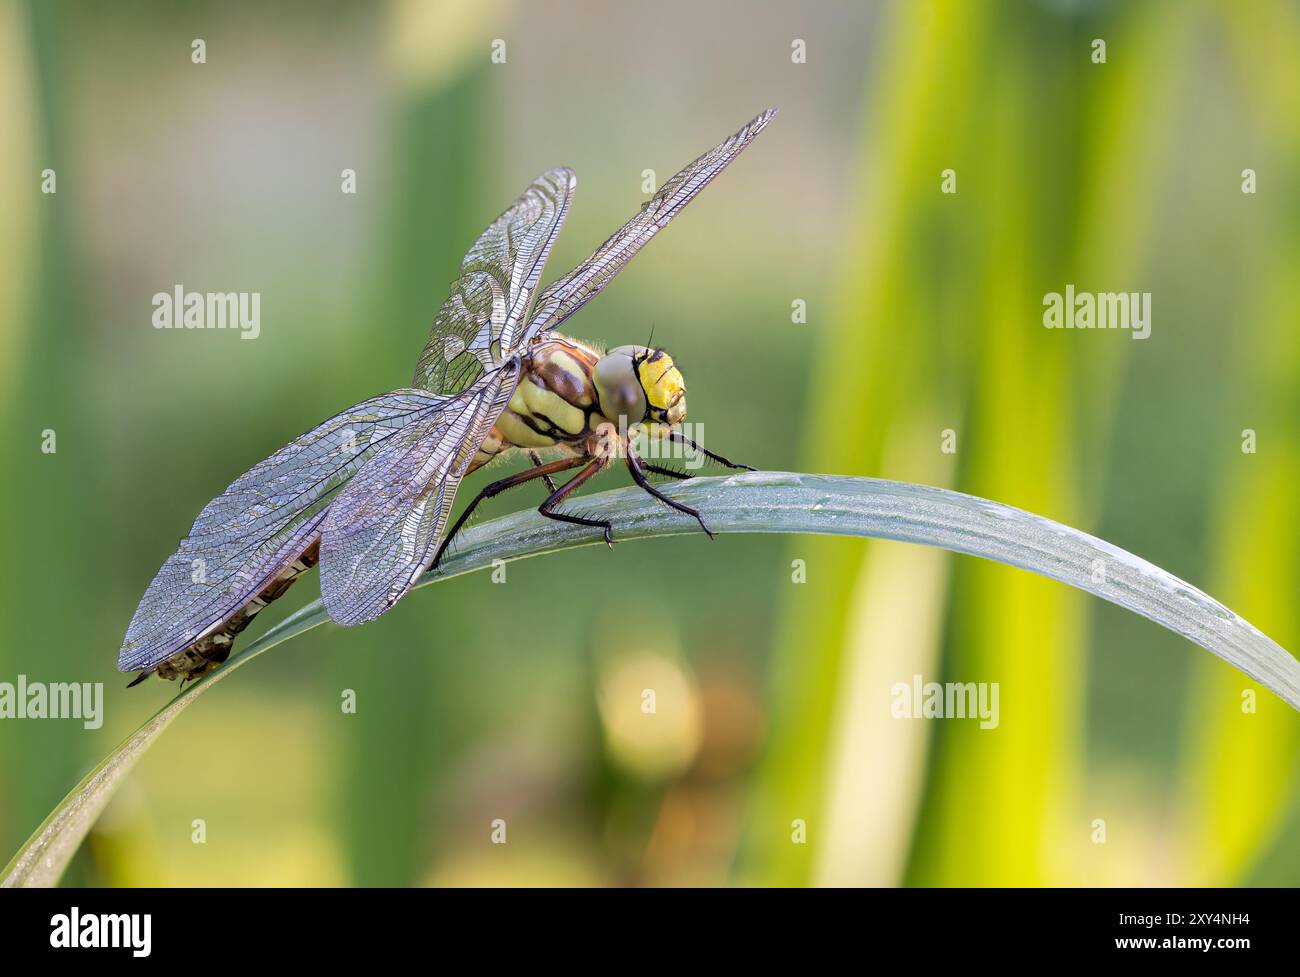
[[367, 494]]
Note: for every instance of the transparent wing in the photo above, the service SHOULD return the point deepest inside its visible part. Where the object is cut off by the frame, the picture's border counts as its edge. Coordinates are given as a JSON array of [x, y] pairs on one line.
[[382, 531], [263, 522], [567, 295], [479, 325]]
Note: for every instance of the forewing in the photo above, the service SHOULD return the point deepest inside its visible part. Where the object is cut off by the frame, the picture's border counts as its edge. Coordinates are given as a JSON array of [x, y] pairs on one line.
[[568, 294], [382, 531], [266, 518], [480, 324]]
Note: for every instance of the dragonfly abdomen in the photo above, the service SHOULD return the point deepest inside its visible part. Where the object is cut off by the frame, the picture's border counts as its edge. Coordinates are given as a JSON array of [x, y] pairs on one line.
[[214, 648]]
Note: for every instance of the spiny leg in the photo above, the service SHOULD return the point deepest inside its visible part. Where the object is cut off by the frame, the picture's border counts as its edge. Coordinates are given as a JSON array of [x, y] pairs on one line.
[[547, 508], [638, 476], [536, 459], [500, 485], [682, 439], [659, 470]]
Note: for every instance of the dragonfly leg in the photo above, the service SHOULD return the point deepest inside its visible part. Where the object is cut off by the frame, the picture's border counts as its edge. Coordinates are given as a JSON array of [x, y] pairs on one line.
[[500, 485], [687, 442], [634, 464], [536, 459], [547, 508], [659, 470]]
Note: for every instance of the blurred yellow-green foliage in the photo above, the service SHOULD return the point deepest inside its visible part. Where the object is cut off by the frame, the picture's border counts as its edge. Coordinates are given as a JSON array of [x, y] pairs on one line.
[[1123, 755]]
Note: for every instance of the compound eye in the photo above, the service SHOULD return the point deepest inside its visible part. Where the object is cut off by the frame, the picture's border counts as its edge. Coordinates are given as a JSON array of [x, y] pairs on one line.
[[621, 396]]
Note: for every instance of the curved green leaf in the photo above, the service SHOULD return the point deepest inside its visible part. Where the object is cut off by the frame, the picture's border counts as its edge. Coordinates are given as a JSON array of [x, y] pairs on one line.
[[758, 502]]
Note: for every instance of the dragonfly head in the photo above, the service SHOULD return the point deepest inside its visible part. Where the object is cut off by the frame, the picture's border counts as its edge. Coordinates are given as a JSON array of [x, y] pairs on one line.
[[639, 385]]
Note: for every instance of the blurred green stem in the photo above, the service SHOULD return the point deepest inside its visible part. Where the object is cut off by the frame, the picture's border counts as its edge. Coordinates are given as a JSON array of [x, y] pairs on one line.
[[759, 502]]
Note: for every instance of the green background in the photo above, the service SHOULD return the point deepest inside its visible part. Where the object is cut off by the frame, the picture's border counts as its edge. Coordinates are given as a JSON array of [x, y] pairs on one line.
[[1123, 755]]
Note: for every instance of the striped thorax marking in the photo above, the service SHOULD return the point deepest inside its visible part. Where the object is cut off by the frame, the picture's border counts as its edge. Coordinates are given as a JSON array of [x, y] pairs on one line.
[[554, 403]]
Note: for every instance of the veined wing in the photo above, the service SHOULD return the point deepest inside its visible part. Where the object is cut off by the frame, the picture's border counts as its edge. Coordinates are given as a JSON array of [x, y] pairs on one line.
[[382, 531], [568, 294], [479, 325], [263, 522]]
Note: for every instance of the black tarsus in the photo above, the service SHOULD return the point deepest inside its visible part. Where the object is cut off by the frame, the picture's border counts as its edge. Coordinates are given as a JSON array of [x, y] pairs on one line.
[[638, 476], [721, 460], [547, 508]]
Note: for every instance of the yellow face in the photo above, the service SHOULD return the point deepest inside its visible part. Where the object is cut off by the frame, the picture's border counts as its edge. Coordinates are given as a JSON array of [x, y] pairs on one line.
[[665, 390], [637, 385]]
